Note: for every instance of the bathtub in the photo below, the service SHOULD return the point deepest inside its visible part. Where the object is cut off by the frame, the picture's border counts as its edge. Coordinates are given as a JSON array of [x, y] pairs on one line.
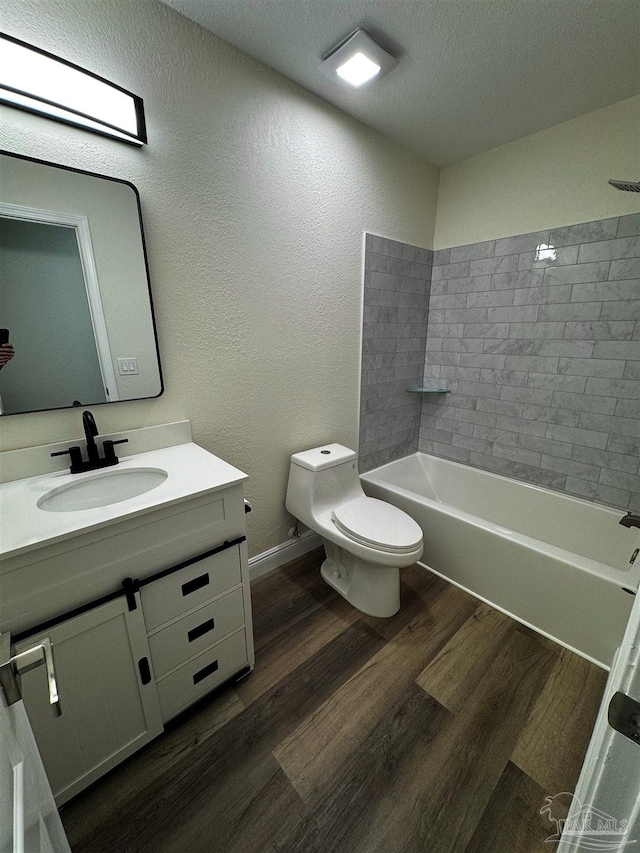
[[555, 563]]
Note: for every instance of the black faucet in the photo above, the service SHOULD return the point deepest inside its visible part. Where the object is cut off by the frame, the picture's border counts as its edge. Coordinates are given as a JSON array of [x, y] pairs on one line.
[[90, 431], [94, 460], [631, 519]]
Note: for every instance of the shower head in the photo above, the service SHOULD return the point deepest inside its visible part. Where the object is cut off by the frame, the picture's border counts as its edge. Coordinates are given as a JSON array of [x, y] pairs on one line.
[[627, 186]]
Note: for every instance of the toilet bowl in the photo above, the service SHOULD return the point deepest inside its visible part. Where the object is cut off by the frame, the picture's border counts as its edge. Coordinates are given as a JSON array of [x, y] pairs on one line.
[[366, 541]]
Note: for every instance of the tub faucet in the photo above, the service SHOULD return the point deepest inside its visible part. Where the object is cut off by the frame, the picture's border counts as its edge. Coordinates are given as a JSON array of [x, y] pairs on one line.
[[631, 519]]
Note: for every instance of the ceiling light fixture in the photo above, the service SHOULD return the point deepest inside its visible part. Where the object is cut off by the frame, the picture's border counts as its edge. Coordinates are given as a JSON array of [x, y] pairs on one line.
[[358, 60], [38, 82]]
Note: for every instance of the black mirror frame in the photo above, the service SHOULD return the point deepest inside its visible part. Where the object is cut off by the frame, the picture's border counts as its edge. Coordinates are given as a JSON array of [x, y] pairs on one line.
[[146, 267]]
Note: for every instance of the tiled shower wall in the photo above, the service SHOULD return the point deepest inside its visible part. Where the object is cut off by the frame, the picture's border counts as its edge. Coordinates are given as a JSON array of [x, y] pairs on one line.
[[542, 359], [396, 302]]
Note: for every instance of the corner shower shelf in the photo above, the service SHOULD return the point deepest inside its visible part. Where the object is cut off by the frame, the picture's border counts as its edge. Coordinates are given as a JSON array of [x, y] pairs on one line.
[[428, 391]]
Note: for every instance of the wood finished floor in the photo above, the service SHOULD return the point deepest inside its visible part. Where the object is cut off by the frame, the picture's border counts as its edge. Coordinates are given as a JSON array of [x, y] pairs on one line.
[[440, 730]]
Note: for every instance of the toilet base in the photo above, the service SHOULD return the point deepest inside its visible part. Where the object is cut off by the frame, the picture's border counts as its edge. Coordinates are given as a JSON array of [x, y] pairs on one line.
[[371, 588]]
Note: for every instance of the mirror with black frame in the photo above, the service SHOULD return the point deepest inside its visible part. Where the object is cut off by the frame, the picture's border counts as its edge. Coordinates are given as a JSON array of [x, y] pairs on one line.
[[76, 317]]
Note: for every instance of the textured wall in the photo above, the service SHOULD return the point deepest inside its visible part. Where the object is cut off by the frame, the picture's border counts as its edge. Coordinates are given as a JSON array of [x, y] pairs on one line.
[[552, 178], [396, 301], [543, 359], [255, 196]]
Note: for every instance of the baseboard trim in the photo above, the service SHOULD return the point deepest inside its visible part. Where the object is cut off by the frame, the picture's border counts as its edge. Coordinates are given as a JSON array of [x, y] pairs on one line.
[[274, 558]]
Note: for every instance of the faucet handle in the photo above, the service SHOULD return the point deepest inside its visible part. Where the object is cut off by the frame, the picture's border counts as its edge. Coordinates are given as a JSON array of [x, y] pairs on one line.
[[109, 453], [76, 457]]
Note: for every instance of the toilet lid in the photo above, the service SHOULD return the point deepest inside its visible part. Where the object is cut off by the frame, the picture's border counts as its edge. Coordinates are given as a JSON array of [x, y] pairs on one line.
[[377, 524]]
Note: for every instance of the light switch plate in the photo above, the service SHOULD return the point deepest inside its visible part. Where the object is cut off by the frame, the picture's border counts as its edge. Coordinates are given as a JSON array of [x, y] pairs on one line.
[[127, 366]]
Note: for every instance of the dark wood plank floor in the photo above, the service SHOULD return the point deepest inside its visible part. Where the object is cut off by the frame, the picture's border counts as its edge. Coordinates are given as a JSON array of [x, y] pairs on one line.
[[441, 729]]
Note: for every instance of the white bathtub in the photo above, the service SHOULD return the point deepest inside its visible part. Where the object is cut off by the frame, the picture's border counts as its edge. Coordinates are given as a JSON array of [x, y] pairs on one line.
[[556, 563]]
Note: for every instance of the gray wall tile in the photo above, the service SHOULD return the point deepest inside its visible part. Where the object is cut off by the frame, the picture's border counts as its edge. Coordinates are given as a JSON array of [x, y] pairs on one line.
[[609, 250], [536, 330], [605, 290], [625, 269], [572, 311], [542, 358], [611, 424], [532, 363], [628, 408], [472, 252], [517, 280], [587, 437], [624, 444], [442, 256], [504, 263], [571, 349], [614, 388], [606, 459], [623, 310], [600, 331], [564, 255], [597, 491], [542, 295], [584, 403], [514, 314], [629, 226], [545, 445], [490, 298], [577, 274], [521, 243], [520, 347], [592, 367], [617, 349], [586, 232]]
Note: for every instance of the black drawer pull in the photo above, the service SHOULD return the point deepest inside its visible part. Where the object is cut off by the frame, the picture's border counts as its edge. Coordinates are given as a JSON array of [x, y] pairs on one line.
[[200, 630], [145, 671], [205, 671], [196, 583]]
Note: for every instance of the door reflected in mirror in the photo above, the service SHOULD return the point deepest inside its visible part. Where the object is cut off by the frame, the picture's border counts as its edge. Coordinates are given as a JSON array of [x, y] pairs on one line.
[[75, 302]]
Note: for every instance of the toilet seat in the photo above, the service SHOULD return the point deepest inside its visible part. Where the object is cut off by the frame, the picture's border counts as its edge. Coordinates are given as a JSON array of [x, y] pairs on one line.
[[378, 524]]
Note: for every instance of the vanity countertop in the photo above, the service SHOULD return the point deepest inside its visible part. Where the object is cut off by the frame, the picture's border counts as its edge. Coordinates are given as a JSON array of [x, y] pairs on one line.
[[192, 472]]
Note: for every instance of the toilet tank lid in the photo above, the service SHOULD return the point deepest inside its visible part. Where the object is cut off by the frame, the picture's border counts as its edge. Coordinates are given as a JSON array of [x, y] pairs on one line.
[[323, 457]]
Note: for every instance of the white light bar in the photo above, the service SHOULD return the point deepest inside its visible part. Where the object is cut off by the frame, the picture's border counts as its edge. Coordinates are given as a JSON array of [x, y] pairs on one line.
[[358, 60], [38, 82]]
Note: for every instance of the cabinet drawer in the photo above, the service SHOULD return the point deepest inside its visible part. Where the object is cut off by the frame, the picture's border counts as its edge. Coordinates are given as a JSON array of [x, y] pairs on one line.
[[194, 679], [195, 632], [168, 597]]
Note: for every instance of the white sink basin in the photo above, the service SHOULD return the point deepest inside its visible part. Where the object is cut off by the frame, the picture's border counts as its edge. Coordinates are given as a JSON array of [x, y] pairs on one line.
[[103, 489]]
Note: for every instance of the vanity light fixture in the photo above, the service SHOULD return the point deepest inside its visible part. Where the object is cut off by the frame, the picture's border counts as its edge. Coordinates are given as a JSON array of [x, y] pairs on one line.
[[38, 82], [357, 60]]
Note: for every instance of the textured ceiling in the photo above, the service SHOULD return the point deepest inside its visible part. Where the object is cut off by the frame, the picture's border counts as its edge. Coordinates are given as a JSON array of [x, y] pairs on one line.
[[473, 74]]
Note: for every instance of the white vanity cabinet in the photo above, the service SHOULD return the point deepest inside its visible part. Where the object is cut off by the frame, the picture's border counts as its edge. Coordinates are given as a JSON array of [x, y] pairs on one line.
[[109, 701], [147, 606], [196, 616]]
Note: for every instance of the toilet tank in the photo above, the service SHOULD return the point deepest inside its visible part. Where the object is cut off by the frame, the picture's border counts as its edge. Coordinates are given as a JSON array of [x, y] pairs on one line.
[[320, 479]]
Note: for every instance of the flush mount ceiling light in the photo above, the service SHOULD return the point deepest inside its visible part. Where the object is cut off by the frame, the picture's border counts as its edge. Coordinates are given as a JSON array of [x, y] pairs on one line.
[[38, 82], [357, 60]]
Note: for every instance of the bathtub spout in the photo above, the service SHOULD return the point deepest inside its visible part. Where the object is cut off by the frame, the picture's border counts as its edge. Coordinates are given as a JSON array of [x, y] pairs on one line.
[[631, 519]]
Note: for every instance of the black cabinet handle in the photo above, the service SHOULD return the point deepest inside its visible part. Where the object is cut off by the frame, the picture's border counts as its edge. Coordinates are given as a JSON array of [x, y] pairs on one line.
[[205, 671], [145, 670], [196, 583], [200, 630]]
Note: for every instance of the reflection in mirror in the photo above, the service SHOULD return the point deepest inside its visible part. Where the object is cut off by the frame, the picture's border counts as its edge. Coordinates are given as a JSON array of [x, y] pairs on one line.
[[74, 291]]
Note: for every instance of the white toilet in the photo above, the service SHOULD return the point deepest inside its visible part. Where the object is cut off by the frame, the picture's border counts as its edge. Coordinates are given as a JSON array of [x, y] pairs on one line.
[[366, 540]]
